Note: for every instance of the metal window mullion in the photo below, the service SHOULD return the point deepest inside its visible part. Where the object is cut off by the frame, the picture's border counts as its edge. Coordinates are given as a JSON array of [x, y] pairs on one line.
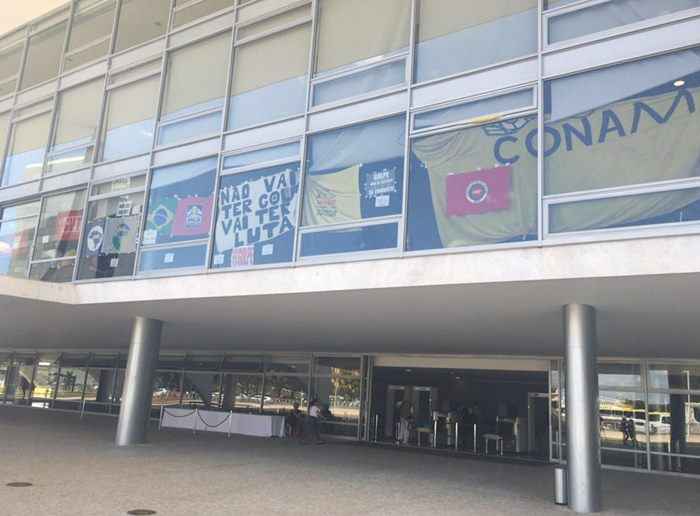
[[219, 158], [40, 216], [66, 39], [22, 64], [149, 171], [83, 224], [100, 131], [303, 143], [645, 386], [410, 62], [50, 142], [540, 123]]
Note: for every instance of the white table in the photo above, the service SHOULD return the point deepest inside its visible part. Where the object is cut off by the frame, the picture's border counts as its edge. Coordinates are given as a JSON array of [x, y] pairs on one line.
[[198, 420]]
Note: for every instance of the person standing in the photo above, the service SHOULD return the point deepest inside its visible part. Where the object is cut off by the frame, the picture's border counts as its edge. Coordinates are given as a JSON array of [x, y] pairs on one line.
[[314, 421], [405, 415]]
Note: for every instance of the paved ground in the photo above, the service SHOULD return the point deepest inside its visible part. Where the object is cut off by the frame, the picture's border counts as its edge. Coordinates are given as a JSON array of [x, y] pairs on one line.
[[76, 471]]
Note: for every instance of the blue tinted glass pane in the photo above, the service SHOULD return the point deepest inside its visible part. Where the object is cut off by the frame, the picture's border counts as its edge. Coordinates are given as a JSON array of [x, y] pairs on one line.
[[15, 245], [257, 216], [129, 140], [640, 128], [369, 238], [455, 35], [24, 166], [290, 150], [190, 129], [473, 186], [607, 15], [272, 102], [179, 204], [59, 161], [628, 211], [493, 105], [178, 258], [355, 173], [380, 77]]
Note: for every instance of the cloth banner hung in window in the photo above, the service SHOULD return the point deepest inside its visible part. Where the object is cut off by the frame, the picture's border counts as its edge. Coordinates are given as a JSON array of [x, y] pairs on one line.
[[68, 226], [256, 219], [354, 193], [95, 237], [120, 234], [192, 216]]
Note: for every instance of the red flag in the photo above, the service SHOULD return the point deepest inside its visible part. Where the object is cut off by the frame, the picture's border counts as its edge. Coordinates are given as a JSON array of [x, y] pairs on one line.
[[68, 226], [470, 193], [192, 216]]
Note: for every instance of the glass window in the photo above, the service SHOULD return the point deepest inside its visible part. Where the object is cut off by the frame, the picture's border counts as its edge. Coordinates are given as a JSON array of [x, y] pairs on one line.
[[181, 257], [59, 271], [674, 376], [111, 235], [247, 393], [141, 21], [90, 33], [166, 390], [378, 77], [354, 30], [189, 10], [4, 128], [336, 385], [281, 392], [44, 384], [180, 202], [59, 226], [257, 217], [602, 16], [71, 382], [622, 420], [447, 27], [130, 119], [475, 111], [10, 62], [25, 155], [374, 237], [44, 55], [626, 211], [19, 383], [627, 376], [355, 173], [186, 94], [473, 186], [17, 226], [639, 128], [201, 390], [78, 111], [288, 150], [4, 379], [277, 90], [674, 421]]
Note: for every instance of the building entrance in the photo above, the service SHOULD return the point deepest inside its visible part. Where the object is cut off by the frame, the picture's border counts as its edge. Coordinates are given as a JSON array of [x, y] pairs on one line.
[[504, 412]]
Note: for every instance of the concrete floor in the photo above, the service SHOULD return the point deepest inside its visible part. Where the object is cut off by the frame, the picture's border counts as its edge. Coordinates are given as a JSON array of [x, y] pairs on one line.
[[76, 471]]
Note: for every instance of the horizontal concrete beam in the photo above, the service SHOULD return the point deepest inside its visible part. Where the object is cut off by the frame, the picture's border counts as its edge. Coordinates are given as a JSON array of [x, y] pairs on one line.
[[642, 257]]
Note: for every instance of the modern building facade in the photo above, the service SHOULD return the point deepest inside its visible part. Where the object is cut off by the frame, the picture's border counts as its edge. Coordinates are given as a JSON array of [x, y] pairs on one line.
[[366, 201]]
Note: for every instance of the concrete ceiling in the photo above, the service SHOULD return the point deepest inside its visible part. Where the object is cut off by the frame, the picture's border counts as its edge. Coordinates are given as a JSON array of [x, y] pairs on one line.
[[650, 317], [501, 302]]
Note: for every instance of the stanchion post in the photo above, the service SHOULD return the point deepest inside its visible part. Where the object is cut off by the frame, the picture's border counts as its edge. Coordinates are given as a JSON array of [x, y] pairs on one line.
[[457, 436], [230, 423], [475, 438], [376, 427], [160, 420], [194, 425], [435, 424], [82, 409]]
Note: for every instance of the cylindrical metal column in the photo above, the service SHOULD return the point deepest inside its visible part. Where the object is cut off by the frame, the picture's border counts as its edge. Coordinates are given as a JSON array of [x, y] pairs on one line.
[[138, 381], [582, 408]]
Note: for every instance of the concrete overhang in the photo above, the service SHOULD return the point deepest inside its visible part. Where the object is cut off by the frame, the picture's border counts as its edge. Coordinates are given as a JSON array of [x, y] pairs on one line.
[[496, 302]]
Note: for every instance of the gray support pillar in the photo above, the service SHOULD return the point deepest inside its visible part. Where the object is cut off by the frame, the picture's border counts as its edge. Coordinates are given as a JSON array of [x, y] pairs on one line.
[[582, 408], [229, 395], [138, 381]]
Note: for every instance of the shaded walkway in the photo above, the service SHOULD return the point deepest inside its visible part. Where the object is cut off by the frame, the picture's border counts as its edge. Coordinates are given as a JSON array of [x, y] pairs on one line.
[[76, 470]]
